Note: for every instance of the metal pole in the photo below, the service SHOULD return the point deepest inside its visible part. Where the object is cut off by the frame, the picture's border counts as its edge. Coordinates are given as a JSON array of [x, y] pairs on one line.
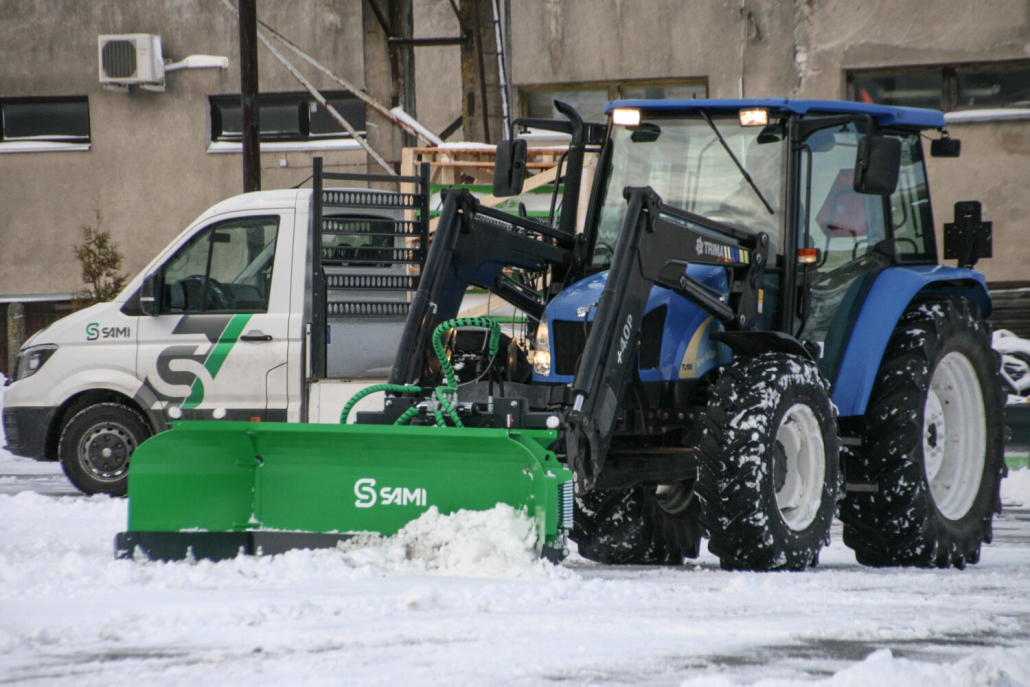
[[249, 96], [482, 70]]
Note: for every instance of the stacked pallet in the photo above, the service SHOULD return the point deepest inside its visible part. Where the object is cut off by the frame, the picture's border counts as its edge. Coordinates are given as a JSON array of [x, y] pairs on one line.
[[1011, 307]]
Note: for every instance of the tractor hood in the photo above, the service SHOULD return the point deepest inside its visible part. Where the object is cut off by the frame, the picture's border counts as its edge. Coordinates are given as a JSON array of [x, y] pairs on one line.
[[673, 329]]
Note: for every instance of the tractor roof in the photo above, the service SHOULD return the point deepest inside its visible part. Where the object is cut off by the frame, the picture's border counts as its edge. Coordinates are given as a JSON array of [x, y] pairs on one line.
[[885, 115]]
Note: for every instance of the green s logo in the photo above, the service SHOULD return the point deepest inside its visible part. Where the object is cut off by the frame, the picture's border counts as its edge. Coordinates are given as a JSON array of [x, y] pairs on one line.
[[92, 331]]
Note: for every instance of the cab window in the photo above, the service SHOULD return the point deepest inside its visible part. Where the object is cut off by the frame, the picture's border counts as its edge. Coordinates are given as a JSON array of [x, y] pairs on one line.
[[911, 216], [843, 224], [227, 267]]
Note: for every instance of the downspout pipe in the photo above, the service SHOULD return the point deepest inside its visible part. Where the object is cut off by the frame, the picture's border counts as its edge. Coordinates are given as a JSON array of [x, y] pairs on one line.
[[503, 78]]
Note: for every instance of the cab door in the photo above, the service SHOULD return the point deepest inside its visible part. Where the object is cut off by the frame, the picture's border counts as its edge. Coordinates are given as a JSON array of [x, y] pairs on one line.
[[849, 229], [218, 346]]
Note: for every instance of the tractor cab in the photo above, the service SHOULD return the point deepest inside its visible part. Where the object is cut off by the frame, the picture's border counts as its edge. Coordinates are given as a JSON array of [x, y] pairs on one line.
[[839, 189]]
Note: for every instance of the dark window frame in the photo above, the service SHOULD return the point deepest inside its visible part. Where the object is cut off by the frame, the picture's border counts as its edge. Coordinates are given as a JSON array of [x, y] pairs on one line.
[[949, 74], [613, 88], [305, 117], [78, 139]]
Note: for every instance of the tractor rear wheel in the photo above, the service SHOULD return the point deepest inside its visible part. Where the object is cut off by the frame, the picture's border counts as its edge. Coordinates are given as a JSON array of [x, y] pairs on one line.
[[641, 525], [768, 473], [933, 445]]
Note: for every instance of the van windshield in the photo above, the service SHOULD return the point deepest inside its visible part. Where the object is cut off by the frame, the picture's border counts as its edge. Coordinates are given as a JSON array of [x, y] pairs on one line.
[[683, 161]]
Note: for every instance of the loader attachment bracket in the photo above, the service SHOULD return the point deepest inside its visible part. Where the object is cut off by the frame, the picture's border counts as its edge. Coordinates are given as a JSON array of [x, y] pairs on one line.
[[474, 245], [655, 245]]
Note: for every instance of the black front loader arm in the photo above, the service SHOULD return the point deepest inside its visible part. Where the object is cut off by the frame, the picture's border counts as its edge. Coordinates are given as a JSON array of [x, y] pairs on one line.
[[473, 245], [656, 243]]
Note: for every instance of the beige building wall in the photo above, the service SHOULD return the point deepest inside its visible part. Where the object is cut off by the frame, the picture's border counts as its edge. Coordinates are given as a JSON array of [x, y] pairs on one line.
[[768, 48], [148, 164]]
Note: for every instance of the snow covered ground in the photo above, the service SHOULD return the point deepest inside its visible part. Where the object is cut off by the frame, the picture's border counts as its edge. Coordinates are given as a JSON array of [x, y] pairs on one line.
[[461, 601]]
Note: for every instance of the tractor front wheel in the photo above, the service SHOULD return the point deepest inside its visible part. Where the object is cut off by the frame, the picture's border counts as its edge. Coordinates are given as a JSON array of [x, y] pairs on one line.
[[642, 525], [768, 474]]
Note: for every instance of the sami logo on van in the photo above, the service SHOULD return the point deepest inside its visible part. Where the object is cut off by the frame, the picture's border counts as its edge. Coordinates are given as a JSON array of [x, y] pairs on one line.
[[365, 490], [94, 331]]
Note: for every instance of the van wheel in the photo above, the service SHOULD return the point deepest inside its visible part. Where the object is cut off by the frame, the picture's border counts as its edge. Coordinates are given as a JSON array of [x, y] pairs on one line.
[[96, 444]]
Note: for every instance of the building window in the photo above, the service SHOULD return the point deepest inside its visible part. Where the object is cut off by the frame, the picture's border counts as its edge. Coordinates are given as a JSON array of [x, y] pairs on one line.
[[590, 99], [287, 117], [36, 124], [948, 88]]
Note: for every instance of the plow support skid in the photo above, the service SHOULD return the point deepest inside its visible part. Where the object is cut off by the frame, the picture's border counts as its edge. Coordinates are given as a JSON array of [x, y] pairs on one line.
[[218, 477]]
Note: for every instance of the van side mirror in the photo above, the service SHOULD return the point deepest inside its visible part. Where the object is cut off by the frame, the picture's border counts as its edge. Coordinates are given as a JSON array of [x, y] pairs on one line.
[[148, 303], [877, 165], [509, 167]]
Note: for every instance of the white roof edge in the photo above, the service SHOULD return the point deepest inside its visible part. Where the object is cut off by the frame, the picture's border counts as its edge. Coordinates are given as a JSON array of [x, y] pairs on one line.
[[999, 114], [287, 146], [35, 297]]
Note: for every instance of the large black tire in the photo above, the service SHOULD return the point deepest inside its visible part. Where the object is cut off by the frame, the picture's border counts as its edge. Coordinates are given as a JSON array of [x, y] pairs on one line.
[[638, 526], [939, 365], [770, 436], [96, 444]]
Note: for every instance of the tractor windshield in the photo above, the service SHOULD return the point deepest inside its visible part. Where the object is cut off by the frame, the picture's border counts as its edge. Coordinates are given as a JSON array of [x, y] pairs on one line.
[[683, 160]]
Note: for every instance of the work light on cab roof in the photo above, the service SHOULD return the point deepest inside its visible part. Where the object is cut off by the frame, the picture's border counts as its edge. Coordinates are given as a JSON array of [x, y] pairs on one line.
[[626, 117], [754, 117]]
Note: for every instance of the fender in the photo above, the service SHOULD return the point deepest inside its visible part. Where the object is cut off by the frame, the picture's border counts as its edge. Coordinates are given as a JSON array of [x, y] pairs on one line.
[[889, 296], [94, 380]]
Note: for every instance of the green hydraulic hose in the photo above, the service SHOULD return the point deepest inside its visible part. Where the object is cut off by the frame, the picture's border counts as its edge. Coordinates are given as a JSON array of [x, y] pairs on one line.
[[406, 416], [451, 387], [395, 388]]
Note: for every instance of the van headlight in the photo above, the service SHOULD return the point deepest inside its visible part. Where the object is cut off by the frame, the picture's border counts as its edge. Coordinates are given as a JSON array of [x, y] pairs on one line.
[[31, 359], [542, 350]]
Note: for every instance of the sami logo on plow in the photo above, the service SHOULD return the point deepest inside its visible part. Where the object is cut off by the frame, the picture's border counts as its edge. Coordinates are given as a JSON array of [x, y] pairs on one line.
[[365, 490]]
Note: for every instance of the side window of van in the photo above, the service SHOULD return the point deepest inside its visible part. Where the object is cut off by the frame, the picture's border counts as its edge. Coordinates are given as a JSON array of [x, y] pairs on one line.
[[227, 267]]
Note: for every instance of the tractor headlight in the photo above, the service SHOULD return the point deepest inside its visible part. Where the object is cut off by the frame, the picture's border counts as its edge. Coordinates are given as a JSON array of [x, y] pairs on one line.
[[542, 350], [31, 359]]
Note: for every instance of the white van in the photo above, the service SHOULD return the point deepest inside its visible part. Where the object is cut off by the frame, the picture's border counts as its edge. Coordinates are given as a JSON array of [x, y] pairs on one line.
[[247, 315]]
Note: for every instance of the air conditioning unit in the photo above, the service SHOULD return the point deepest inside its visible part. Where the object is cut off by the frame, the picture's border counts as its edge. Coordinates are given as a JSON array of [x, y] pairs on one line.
[[131, 59]]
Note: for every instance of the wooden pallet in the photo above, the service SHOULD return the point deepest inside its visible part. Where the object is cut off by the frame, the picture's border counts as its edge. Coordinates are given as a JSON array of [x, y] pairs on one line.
[[1011, 310]]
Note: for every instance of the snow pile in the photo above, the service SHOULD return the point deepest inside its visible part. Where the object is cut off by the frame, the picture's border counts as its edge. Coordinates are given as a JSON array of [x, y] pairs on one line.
[[998, 667], [1015, 489], [496, 543]]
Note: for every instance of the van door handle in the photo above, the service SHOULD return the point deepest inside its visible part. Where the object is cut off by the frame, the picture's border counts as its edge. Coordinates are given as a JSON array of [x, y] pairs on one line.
[[256, 336]]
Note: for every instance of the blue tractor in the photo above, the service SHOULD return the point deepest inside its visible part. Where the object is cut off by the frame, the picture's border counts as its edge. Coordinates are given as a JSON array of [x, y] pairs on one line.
[[747, 333]]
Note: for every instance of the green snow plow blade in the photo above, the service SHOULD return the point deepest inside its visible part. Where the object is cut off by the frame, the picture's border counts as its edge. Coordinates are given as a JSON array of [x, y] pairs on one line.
[[214, 489]]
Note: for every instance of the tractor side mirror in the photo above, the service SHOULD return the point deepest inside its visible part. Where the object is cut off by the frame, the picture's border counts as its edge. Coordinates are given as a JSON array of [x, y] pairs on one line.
[[509, 167], [945, 147], [877, 165], [148, 295]]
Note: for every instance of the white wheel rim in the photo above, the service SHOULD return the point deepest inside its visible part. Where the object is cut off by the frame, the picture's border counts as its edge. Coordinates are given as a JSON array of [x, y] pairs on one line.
[[954, 435], [802, 492]]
